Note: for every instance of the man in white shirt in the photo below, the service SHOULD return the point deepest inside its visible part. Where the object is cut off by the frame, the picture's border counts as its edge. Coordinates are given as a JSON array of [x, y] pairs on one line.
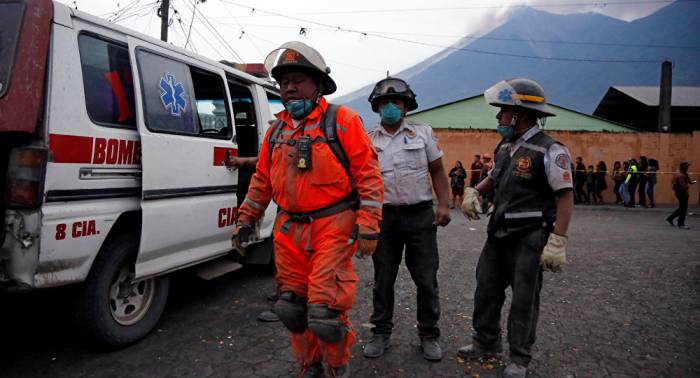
[[410, 159]]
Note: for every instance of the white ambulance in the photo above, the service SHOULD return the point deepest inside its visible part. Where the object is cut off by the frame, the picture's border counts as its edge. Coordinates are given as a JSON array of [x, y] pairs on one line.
[[112, 174]]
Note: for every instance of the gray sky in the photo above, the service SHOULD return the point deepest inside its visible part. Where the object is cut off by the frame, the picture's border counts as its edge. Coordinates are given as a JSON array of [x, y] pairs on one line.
[[355, 59]]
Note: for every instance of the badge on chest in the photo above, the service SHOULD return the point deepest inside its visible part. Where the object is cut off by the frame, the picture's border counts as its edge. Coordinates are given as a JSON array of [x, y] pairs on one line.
[[523, 167]]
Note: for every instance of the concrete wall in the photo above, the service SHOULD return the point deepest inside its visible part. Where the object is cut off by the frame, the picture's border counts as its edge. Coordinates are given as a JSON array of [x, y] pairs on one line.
[[668, 149]]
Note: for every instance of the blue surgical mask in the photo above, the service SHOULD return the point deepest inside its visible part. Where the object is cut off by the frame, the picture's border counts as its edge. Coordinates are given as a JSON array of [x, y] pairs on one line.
[[390, 113], [506, 132], [299, 109]]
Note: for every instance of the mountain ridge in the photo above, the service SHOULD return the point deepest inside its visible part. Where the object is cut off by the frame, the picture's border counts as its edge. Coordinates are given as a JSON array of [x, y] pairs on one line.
[[451, 75]]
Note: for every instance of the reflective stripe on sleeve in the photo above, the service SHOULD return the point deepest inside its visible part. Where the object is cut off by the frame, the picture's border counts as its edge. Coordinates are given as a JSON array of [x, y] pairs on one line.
[[525, 214], [370, 203], [253, 204]]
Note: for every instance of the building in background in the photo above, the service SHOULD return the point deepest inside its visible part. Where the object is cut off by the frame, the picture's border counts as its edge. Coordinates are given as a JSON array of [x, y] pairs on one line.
[[638, 107], [467, 127], [474, 113]]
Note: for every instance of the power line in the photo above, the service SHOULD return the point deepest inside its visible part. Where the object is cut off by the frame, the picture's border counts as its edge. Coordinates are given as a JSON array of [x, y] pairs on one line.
[[214, 31], [122, 10], [603, 4], [475, 37], [276, 44], [191, 22], [132, 12], [243, 31], [428, 44], [206, 40]]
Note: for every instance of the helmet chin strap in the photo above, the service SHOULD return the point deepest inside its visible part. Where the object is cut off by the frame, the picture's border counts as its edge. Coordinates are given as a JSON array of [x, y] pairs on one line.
[[320, 90]]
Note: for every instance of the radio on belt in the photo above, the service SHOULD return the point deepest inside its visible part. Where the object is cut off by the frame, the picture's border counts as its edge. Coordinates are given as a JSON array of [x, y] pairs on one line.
[[304, 152]]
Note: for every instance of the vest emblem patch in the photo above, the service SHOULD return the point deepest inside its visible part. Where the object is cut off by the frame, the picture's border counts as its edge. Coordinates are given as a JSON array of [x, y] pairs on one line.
[[523, 167]]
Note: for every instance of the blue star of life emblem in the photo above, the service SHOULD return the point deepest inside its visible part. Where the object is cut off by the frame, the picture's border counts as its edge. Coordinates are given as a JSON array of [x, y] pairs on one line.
[[172, 94], [505, 95]]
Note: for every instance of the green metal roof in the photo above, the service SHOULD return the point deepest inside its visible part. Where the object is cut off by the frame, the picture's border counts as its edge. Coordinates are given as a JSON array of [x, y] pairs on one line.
[[475, 113]]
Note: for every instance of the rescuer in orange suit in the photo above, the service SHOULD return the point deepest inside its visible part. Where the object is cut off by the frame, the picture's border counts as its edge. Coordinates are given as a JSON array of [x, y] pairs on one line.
[[330, 207]]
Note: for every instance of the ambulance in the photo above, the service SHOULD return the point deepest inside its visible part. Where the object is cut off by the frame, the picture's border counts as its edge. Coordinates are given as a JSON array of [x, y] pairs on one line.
[[113, 174]]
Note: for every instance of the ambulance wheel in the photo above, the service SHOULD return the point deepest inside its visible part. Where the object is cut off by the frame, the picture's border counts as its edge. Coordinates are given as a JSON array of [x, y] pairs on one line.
[[114, 310]]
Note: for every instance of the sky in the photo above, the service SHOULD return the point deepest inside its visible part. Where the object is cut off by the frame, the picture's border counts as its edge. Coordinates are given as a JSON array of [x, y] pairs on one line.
[[361, 40]]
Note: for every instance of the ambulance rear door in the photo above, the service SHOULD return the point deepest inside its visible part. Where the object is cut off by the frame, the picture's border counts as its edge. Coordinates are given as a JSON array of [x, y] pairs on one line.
[[185, 123]]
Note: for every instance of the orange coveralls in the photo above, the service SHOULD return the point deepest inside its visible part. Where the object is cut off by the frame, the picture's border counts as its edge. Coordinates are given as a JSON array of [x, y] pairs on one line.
[[314, 259]]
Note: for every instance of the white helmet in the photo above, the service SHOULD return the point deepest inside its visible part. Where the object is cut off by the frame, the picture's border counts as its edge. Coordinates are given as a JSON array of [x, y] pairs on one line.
[[298, 56]]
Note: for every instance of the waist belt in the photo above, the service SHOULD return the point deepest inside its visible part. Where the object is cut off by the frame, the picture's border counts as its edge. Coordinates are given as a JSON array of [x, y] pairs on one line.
[[407, 208], [351, 202]]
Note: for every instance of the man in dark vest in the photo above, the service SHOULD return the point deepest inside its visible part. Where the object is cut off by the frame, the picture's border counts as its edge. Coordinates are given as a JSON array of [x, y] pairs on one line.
[[533, 200]]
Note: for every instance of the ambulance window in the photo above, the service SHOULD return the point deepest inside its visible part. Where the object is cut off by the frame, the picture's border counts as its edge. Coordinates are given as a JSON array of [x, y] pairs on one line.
[[10, 25], [108, 83], [210, 99], [167, 94], [243, 106], [275, 103]]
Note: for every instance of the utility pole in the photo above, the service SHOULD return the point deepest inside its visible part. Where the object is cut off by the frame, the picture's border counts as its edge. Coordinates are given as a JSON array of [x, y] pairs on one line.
[[164, 10], [665, 98]]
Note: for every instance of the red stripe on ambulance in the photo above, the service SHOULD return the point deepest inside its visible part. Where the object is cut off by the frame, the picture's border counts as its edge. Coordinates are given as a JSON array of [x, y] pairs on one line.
[[70, 148], [88, 150]]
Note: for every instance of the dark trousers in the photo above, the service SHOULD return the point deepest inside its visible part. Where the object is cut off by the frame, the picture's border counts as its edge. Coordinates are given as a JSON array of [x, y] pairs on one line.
[[642, 191], [580, 193], [650, 192], [682, 209], [510, 261], [413, 228], [633, 190]]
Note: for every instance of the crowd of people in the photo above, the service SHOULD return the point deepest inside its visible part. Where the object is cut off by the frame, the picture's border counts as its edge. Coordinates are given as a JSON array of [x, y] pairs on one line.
[[633, 182]]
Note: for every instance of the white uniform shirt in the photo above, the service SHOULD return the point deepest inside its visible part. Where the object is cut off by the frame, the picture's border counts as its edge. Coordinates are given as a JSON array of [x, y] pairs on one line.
[[404, 159], [557, 160]]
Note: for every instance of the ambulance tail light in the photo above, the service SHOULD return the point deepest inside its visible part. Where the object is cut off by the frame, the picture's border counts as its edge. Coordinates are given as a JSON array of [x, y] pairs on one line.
[[25, 177]]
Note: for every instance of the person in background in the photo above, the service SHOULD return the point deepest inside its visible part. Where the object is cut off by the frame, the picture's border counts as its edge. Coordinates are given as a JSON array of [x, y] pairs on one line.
[[580, 181], [631, 181], [681, 188], [487, 166], [643, 178], [600, 181], [590, 185], [457, 177], [618, 176], [651, 181], [476, 168]]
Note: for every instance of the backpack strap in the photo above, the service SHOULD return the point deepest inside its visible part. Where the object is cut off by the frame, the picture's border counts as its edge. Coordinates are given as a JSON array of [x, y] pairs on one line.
[[273, 138], [329, 128]]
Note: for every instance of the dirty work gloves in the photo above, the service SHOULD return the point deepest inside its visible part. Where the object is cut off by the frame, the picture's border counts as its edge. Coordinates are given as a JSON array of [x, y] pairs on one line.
[[366, 241], [554, 253], [471, 206], [242, 236]]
